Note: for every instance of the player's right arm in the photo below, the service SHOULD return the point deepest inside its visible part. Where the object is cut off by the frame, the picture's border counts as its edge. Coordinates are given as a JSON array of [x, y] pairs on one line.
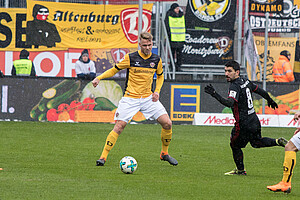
[[229, 102], [123, 63], [107, 74]]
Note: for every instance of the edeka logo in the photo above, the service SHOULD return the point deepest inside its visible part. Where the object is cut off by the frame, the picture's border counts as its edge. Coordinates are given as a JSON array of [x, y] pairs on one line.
[[185, 101], [129, 22]]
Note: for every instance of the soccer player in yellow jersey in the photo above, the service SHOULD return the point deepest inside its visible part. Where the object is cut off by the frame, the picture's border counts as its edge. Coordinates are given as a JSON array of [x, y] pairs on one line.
[[138, 96], [291, 148]]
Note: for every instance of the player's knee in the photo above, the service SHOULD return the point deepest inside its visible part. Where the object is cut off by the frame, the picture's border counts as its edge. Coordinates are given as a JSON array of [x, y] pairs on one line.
[[119, 127], [290, 146], [167, 125]]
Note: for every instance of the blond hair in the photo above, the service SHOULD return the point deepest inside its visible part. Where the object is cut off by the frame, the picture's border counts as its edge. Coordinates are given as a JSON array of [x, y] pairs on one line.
[[145, 36]]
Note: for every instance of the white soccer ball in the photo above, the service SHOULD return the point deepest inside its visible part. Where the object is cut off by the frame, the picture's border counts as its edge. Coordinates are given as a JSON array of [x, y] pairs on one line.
[[128, 165]]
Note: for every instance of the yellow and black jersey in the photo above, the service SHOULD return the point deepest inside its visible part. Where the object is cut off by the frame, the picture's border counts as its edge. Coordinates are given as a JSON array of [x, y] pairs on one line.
[[140, 72]]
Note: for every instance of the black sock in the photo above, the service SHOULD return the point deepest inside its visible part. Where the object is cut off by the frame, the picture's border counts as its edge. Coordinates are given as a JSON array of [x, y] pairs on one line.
[[238, 158]]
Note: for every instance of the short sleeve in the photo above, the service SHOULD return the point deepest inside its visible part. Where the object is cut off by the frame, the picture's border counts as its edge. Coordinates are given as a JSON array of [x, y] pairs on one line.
[[123, 63], [234, 92]]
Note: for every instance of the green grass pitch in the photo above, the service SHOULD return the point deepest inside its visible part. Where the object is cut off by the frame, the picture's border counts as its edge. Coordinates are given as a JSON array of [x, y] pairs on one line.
[[58, 161]]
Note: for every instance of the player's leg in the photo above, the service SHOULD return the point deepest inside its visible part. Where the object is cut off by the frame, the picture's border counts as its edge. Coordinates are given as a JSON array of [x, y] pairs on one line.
[[257, 141], [288, 166], [110, 141], [166, 132], [127, 108], [237, 142], [156, 110], [166, 137], [263, 142]]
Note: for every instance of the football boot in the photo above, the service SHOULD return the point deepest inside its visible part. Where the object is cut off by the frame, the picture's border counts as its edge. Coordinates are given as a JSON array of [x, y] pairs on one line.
[[236, 172], [167, 157], [281, 187], [100, 162]]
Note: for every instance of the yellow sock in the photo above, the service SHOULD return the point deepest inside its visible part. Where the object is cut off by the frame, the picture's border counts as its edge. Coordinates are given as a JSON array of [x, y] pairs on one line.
[[166, 136], [109, 144], [288, 165]]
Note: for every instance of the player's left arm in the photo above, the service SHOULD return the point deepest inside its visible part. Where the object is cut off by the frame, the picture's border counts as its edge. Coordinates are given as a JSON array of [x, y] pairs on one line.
[[159, 82], [265, 95]]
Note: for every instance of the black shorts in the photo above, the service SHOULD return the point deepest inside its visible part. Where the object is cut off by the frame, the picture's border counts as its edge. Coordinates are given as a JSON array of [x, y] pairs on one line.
[[245, 132]]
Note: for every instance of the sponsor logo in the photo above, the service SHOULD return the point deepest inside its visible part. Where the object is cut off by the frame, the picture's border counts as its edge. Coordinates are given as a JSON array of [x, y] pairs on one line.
[[143, 71], [137, 64], [185, 102], [182, 116], [223, 121], [210, 12], [215, 120], [129, 22]]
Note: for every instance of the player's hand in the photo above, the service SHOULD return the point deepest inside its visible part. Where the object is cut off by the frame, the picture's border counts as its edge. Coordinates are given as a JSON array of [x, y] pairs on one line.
[[272, 104], [95, 82], [209, 89], [155, 97]]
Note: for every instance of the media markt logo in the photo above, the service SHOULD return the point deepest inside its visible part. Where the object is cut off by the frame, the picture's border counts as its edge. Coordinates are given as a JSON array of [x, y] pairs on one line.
[[129, 22], [209, 10]]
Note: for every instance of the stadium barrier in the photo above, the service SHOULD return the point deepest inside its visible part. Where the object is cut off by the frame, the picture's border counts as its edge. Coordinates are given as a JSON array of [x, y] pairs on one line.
[[216, 119], [69, 99]]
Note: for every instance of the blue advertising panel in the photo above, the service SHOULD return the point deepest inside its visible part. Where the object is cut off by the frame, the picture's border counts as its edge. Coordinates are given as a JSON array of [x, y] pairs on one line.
[[185, 101]]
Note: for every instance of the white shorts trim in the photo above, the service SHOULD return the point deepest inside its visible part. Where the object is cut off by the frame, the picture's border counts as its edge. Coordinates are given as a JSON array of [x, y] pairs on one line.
[[296, 140], [128, 107]]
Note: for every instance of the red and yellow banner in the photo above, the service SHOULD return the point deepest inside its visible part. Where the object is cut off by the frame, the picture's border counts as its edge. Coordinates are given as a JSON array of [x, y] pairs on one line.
[[51, 26]]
